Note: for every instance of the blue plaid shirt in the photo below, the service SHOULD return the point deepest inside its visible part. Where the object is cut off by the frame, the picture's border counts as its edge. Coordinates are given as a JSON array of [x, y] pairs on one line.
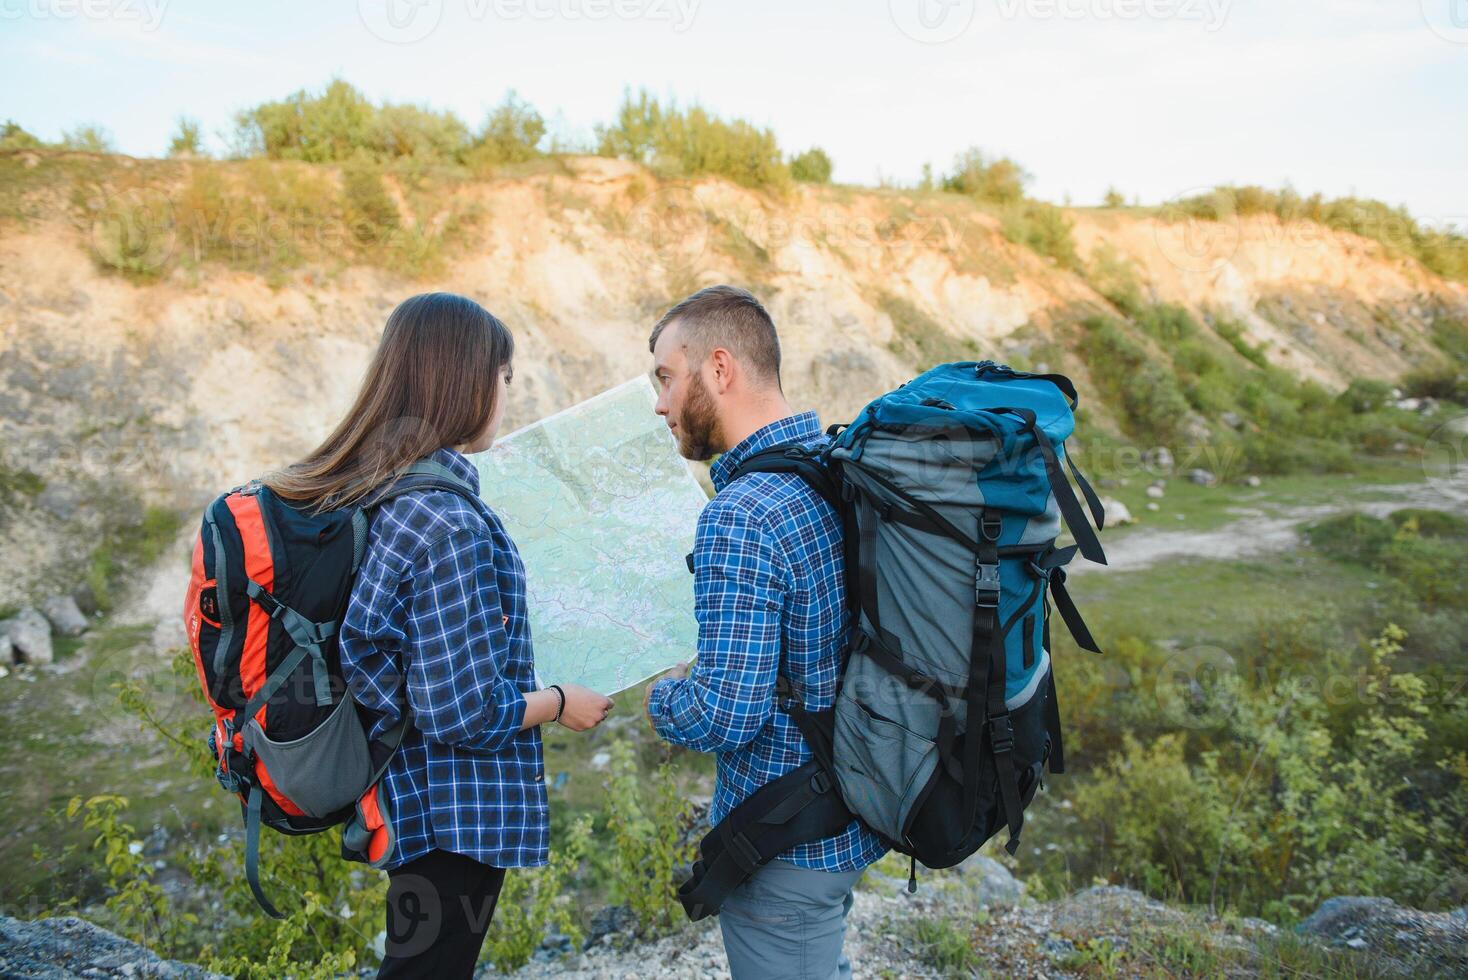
[[441, 590], [769, 592]]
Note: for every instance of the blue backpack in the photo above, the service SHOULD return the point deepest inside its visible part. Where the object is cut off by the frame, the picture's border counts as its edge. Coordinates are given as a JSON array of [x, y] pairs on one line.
[[951, 491]]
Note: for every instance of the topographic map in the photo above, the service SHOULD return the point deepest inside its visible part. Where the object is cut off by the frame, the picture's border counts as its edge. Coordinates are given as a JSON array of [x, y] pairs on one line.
[[602, 509]]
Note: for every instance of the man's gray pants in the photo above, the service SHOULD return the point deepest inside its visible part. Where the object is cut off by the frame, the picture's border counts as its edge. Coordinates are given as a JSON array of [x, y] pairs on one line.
[[788, 923]]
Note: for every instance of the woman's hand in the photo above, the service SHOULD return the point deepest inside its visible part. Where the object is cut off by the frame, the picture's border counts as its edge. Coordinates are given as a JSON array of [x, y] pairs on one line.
[[584, 709]]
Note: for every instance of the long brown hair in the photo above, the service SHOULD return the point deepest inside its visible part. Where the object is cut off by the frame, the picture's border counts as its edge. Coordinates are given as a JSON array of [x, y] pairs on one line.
[[432, 383]]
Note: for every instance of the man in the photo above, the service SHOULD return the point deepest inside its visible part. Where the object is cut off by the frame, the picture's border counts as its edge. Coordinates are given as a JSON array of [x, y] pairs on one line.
[[770, 600]]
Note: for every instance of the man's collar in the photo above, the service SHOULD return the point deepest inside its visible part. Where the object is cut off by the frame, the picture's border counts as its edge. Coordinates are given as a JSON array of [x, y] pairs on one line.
[[802, 427]]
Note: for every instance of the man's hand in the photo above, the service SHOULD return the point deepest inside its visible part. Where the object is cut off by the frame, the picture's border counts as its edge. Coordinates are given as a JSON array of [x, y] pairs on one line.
[[676, 673]]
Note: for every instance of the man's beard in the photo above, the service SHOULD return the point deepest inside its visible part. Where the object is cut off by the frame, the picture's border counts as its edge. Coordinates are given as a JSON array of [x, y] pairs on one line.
[[698, 424]]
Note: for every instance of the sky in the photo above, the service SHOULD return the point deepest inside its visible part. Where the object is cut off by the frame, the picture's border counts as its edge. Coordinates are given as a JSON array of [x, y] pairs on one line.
[[1158, 98]]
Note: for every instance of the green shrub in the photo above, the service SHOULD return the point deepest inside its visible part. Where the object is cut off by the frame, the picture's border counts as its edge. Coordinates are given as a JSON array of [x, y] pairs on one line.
[[13, 137], [1113, 199], [371, 213], [1364, 395], [921, 340], [1144, 394], [1444, 382], [341, 121], [187, 139], [512, 134], [533, 898], [1115, 277], [998, 180], [691, 142], [645, 820], [1445, 252], [811, 167], [944, 944], [89, 139], [1043, 228]]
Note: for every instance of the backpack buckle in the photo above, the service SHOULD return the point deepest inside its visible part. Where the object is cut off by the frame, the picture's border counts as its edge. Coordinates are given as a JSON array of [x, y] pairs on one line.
[[986, 584], [1001, 734], [820, 782]]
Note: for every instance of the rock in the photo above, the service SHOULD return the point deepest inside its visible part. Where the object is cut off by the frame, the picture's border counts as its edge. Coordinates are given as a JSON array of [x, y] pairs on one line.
[[60, 500], [989, 882], [1232, 419], [30, 634], [1117, 514], [608, 922], [1203, 478], [601, 760], [70, 948], [1253, 481], [1153, 505], [1408, 404], [65, 616], [85, 599], [1158, 458], [1155, 492], [1436, 942], [7, 649]]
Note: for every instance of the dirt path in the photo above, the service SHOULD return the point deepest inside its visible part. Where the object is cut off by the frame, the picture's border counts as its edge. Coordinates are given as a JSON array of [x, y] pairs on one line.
[[1260, 531]]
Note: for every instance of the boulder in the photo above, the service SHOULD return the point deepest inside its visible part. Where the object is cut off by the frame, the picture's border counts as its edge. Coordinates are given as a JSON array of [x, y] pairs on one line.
[[1158, 458], [1117, 514], [70, 948], [85, 599], [1203, 478], [1253, 481], [30, 635], [65, 616], [1155, 492], [1434, 943], [989, 882]]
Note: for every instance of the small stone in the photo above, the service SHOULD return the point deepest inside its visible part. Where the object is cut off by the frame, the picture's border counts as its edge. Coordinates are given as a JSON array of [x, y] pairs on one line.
[[1253, 481], [1158, 458], [601, 760], [1117, 514], [30, 634], [1357, 943], [1155, 492], [1153, 505], [65, 616], [7, 649], [1203, 478]]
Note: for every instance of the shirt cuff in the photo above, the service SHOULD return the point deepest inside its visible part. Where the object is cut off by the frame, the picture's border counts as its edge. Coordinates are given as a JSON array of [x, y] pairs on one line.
[[660, 710]]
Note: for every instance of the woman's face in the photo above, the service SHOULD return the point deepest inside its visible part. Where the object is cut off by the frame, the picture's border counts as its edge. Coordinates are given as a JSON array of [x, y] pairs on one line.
[[485, 439]]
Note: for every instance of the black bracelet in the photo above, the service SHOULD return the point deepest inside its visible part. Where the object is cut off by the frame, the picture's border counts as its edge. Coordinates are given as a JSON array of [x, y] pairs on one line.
[[562, 695]]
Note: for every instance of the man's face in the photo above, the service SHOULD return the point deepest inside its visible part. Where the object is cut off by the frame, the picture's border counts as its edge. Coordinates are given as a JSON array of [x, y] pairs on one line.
[[683, 398]]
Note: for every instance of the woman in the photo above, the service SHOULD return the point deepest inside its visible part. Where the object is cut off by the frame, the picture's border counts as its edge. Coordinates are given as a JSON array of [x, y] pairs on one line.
[[437, 620]]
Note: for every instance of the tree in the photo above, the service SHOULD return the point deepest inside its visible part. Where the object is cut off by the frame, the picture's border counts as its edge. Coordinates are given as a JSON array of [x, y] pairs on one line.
[[1000, 180], [812, 167], [187, 139]]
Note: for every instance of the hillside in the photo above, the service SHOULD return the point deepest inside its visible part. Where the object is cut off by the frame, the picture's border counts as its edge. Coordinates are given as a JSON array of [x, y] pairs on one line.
[[168, 328]]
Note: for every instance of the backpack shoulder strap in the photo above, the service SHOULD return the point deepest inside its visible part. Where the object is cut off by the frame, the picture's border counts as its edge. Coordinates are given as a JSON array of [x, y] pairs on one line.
[[425, 474], [808, 464]]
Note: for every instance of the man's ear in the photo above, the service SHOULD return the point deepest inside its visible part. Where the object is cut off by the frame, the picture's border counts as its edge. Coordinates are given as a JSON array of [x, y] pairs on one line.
[[724, 368]]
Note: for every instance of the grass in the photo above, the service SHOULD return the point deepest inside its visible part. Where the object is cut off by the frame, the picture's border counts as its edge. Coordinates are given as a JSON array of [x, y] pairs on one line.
[[921, 340]]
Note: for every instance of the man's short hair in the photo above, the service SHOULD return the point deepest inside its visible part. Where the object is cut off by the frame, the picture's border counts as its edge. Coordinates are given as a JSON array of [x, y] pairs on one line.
[[728, 317]]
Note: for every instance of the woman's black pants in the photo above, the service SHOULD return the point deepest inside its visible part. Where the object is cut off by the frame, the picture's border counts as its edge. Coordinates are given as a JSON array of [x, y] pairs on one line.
[[439, 907]]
